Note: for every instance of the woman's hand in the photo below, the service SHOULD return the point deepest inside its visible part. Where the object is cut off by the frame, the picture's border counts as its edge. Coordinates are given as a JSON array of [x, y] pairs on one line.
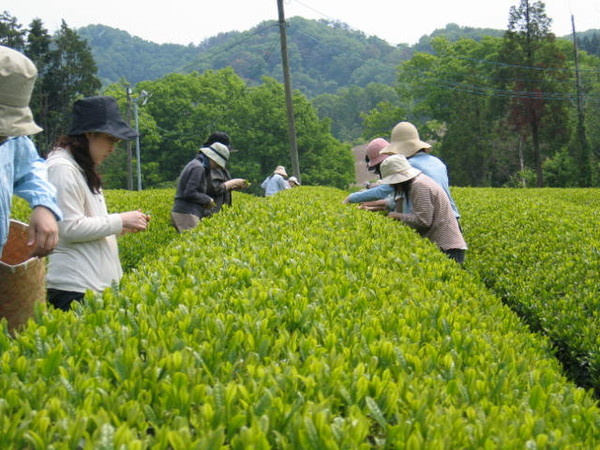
[[43, 231], [134, 221], [235, 183]]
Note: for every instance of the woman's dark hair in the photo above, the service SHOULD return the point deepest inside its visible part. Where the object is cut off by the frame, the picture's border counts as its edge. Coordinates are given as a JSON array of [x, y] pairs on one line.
[[217, 136], [80, 149]]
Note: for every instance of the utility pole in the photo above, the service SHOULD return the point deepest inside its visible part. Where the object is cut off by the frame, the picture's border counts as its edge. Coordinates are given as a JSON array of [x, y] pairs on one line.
[[143, 97], [582, 154], [129, 162], [137, 147], [288, 92]]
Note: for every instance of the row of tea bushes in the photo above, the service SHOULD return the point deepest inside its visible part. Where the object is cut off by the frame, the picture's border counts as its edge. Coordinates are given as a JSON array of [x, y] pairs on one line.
[[290, 322], [157, 203], [539, 250], [133, 246]]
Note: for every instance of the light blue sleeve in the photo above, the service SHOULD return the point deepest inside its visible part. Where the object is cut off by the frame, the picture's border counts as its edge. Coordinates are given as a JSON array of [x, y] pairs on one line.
[[31, 177], [282, 184], [377, 193]]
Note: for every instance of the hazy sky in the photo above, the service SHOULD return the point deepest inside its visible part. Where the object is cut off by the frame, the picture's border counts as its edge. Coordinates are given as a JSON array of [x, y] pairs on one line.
[[187, 21]]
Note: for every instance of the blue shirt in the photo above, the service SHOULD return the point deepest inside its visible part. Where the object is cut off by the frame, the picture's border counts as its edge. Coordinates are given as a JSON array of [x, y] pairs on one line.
[[23, 173], [273, 184], [383, 191], [435, 169]]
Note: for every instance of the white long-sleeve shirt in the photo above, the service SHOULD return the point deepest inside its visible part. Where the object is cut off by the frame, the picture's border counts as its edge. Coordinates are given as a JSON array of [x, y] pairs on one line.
[[87, 255]]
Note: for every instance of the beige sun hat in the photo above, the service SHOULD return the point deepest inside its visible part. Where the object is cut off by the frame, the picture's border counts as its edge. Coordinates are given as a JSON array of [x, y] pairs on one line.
[[294, 180], [405, 140], [396, 169], [17, 77], [281, 171], [218, 152]]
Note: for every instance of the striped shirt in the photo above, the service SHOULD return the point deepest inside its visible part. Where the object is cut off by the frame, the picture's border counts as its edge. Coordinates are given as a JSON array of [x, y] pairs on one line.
[[431, 214]]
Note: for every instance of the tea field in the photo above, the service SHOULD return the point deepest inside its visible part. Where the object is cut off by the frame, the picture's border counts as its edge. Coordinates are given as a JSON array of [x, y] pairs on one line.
[[297, 322], [539, 250]]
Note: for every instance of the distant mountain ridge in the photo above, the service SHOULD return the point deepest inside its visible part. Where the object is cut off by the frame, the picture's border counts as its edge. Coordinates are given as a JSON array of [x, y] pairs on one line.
[[324, 56]]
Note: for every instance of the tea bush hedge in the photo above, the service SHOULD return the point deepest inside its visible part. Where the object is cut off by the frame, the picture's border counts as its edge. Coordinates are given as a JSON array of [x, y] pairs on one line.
[[133, 246], [539, 250], [289, 322]]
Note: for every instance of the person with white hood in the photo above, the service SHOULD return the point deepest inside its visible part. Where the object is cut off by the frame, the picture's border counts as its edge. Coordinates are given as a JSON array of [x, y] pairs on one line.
[[197, 188], [293, 182]]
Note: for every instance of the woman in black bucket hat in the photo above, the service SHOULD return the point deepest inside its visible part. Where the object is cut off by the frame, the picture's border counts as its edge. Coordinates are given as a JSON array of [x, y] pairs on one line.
[[87, 256]]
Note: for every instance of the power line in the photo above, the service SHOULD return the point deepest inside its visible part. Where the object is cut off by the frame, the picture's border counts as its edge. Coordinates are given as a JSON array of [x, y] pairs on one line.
[[505, 93], [485, 61], [228, 47], [317, 11]]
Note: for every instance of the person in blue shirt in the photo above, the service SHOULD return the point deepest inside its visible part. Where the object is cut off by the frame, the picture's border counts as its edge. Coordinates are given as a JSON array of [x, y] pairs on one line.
[[380, 196], [405, 141], [22, 171], [276, 182]]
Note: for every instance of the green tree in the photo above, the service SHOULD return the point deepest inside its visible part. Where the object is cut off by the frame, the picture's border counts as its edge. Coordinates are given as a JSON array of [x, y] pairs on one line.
[[264, 134], [185, 109], [11, 33], [71, 73], [452, 88], [38, 50], [346, 107], [114, 168], [531, 74], [380, 120]]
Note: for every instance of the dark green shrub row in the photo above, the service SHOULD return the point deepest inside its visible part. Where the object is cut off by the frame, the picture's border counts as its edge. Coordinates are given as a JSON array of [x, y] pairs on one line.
[[539, 250]]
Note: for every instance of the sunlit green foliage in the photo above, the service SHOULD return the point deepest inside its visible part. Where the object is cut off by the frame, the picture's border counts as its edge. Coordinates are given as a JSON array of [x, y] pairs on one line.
[[539, 251], [289, 322], [185, 109]]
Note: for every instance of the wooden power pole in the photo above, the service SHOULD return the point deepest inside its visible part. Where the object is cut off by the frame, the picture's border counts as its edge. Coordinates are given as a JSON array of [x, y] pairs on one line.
[[288, 92]]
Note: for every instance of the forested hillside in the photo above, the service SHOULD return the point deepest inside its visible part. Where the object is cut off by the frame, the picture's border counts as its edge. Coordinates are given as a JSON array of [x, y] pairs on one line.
[[513, 107], [324, 56]]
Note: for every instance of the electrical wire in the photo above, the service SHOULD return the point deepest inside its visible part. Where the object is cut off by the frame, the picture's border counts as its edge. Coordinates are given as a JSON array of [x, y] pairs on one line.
[[549, 69]]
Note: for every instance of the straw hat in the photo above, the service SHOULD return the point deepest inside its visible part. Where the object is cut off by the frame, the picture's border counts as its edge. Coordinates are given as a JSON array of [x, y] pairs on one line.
[[218, 152], [281, 171], [405, 140], [17, 77], [396, 169]]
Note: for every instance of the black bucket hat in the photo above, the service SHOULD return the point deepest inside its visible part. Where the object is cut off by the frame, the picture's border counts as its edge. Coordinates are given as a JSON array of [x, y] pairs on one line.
[[217, 136], [99, 114]]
